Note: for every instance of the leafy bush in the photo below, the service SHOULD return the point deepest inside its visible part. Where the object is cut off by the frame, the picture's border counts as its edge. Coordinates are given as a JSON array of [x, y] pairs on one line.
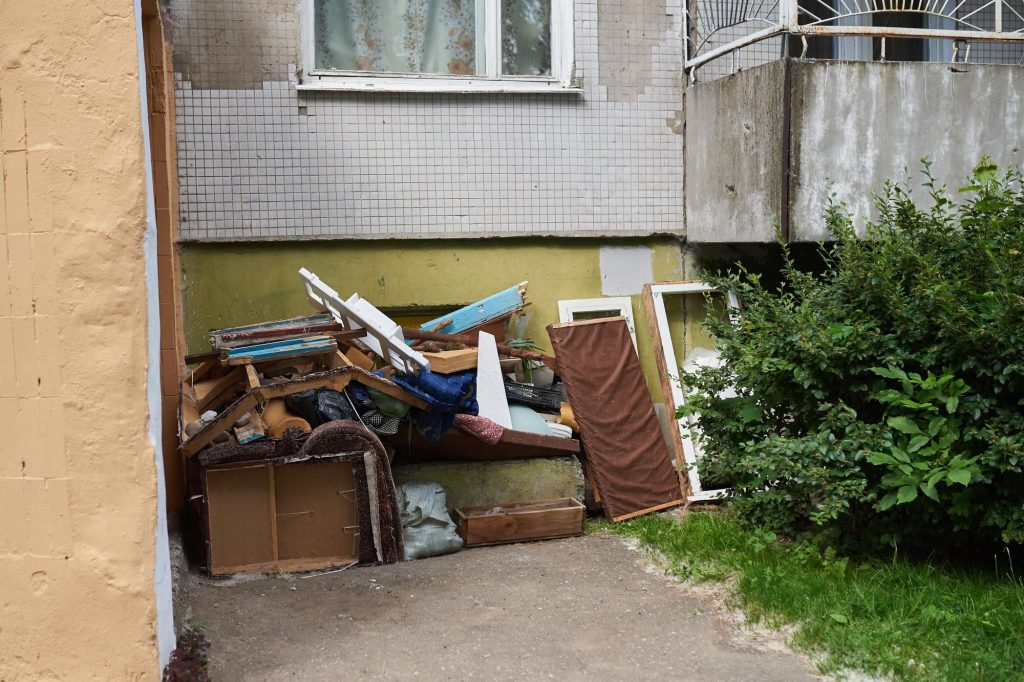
[[881, 399]]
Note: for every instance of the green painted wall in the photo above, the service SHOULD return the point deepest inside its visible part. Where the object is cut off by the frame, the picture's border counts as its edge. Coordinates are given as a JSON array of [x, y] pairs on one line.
[[228, 284]]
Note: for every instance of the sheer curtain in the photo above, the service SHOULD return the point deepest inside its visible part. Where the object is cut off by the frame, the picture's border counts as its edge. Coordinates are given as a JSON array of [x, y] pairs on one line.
[[430, 36], [526, 37], [396, 36], [854, 48]]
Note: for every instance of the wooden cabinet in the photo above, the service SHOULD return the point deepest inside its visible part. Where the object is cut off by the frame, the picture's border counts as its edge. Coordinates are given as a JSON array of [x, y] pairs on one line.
[[266, 517]]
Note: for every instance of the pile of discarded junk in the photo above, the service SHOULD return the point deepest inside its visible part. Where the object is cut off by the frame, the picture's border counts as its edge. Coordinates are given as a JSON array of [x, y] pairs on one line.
[[343, 438]]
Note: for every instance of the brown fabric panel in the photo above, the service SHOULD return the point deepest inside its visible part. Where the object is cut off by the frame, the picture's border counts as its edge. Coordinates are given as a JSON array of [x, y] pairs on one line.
[[618, 426]]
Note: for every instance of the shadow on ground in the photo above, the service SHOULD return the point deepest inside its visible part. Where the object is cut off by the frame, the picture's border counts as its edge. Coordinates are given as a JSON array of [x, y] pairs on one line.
[[578, 609]]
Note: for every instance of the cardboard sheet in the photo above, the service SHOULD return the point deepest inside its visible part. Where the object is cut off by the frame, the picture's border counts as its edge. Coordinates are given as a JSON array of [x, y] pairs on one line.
[[316, 510], [241, 517], [618, 426]]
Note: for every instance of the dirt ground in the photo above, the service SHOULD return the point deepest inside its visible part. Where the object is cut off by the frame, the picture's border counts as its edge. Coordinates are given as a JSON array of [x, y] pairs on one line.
[[587, 608]]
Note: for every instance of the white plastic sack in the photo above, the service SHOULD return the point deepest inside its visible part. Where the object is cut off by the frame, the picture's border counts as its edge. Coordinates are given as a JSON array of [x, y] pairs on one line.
[[426, 527]]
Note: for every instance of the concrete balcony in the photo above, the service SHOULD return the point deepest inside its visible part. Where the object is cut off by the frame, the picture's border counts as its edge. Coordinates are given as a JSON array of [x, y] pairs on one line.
[[765, 145]]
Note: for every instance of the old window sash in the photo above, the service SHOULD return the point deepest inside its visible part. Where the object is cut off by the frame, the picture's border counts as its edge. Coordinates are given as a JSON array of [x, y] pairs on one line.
[[614, 305], [562, 78], [686, 449]]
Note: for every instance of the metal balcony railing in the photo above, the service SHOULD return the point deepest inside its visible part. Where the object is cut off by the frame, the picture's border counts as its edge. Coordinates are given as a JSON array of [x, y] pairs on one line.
[[717, 28]]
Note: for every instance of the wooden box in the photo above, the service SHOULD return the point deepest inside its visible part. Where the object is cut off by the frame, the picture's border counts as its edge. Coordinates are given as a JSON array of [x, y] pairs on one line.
[[494, 524], [264, 516]]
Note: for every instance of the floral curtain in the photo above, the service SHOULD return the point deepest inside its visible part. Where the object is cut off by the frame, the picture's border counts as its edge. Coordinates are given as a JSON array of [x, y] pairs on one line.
[[396, 36], [429, 36]]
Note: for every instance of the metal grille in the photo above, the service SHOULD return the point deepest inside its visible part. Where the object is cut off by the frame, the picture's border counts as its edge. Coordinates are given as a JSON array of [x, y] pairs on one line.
[[726, 36]]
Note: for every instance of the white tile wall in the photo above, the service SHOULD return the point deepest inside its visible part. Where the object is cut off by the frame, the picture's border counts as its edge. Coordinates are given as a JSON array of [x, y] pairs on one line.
[[259, 160]]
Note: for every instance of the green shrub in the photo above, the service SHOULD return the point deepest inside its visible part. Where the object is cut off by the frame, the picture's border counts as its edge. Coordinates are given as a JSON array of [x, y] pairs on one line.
[[881, 400]]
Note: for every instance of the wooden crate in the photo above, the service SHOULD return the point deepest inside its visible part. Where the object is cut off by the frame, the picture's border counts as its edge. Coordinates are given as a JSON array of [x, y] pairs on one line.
[[265, 516], [520, 521]]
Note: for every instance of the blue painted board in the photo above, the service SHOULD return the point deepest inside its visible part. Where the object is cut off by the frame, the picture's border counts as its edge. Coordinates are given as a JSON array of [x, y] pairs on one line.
[[481, 312], [287, 343], [282, 349]]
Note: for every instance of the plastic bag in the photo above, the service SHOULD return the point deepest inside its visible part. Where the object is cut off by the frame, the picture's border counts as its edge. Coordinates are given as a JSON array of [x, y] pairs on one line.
[[426, 526], [320, 405]]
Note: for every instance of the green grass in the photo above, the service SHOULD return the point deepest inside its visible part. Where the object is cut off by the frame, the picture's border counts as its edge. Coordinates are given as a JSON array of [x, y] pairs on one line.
[[910, 621]]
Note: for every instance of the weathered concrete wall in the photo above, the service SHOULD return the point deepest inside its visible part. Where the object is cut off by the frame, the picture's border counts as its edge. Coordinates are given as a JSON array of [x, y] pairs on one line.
[[78, 478], [856, 125], [853, 125], [259, 160], [734, 156], [236, 284]]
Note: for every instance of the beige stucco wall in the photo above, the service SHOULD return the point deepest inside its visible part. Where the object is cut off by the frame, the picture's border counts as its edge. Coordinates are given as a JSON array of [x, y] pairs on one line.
[[78, 482]]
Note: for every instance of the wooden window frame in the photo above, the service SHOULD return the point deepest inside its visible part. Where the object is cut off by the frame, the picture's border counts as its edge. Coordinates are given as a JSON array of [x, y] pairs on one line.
[[674, 396]]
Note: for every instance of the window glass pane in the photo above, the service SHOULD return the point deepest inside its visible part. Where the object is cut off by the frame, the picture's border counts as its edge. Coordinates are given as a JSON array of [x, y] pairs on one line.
[[396, 36], [526, 37]]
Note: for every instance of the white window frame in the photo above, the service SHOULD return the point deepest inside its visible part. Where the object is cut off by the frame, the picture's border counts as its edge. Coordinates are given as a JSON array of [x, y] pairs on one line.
[[622, 306], [561, 80], [688, 451]]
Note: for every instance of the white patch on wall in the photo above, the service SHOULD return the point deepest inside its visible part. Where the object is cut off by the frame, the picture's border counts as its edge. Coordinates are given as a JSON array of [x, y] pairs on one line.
[[625, 270]]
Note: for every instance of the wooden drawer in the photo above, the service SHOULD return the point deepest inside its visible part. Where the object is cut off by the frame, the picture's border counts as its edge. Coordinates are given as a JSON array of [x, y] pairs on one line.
[[495, 524]]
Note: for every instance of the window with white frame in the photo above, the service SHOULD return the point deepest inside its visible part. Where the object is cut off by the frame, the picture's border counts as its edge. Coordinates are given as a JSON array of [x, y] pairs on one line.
[[430, 45]]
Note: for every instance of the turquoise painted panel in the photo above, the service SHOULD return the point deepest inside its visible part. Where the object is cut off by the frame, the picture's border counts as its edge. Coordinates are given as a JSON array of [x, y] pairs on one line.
[[476, 314]]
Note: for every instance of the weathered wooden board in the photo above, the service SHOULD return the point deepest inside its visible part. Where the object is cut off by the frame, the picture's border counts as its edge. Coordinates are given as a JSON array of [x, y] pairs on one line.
[[479, 313], [451, 361]]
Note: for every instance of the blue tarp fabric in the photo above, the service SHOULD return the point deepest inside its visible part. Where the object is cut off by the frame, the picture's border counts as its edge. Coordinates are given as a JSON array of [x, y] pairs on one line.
[[447, 395]]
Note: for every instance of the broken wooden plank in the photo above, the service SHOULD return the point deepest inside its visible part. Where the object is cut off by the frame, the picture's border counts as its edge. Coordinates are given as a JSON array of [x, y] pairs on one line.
[[227, 340], [209, 393], [230, 337], [360, 359], [199, 358], [202, 369], [481, 312], [224, 421], [471, 340], [335, 378], [389, 388], [252, 377]]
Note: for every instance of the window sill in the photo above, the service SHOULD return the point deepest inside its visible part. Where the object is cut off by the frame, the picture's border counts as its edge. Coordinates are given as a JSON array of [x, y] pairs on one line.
[[435, 85]]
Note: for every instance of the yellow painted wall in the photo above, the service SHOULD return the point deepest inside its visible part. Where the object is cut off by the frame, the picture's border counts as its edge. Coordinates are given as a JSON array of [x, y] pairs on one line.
[[233, 284], [78, 488]]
